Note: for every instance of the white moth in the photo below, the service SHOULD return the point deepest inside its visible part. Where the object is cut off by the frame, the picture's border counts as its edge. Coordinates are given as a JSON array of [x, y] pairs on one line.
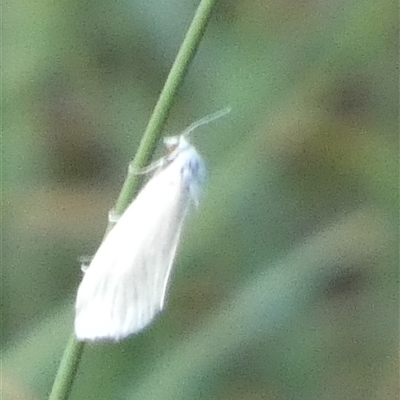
[[124, 286]]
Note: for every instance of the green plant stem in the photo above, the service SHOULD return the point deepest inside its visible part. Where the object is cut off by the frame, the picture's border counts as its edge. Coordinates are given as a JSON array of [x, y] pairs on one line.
[[72, 354], [157, 120], [67, 370]]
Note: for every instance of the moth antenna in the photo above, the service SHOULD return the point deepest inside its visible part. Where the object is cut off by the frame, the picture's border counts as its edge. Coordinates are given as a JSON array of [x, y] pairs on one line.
[[205, 120]]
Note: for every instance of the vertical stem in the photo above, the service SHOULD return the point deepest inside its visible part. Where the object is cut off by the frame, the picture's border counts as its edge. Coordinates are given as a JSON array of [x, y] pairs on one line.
[[157, 120], [67, 370], [72, 354]]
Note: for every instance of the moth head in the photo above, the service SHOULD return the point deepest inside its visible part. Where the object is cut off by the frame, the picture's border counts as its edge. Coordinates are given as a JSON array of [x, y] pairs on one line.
[[178, 143], [175, 143]]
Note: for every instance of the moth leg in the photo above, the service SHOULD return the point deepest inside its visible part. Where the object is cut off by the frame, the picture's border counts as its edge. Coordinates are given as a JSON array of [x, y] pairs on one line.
[[85, 262], [113, 216], [155, 165]]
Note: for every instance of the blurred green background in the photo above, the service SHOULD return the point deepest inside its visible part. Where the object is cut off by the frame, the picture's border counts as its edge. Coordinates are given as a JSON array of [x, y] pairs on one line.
[[286, 283]]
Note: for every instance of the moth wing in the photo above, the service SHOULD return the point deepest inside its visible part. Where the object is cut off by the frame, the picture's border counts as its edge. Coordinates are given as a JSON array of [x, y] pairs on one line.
[[124, 287]]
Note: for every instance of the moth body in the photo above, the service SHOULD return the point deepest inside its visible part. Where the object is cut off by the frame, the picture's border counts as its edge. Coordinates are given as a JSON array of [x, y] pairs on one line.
[[124, 287]]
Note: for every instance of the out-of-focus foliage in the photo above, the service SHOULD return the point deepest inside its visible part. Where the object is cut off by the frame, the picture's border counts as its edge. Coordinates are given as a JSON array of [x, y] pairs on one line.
[[286, 285]]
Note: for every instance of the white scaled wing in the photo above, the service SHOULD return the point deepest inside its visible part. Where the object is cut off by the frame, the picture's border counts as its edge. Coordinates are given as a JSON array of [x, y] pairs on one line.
[[124, 286]]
